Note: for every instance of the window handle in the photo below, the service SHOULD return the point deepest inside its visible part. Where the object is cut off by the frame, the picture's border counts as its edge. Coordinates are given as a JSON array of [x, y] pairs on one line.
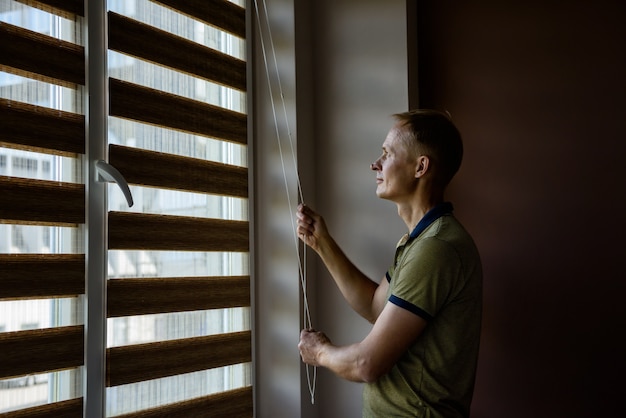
[[108, 173]]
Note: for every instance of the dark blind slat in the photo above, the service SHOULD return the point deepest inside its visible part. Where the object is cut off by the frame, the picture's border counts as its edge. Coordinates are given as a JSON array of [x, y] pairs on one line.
[[41, 129], [159, 295], [219, 13], [72, 408], [155, 169], [41, 275], [232, 403], [41, 202], [142, 104], [136, 363], [149, 43], [176, 233], [47, 56], [40, 350]]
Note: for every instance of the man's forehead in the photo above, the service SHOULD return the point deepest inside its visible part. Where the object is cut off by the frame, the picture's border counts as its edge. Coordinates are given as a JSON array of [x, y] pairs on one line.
[[392, 138]]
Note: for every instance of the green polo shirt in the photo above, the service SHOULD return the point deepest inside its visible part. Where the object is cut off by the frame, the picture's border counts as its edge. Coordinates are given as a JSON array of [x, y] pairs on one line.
[[437, 275]]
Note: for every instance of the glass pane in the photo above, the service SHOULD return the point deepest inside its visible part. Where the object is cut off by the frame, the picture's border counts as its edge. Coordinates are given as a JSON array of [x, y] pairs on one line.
[[38, 93], [38, 389], [124, 263], [153, 138], [32, 239], [170, 21], [146, 74], [127, 264], [16, 87], [172, 202], [159, 327], [17, 315], [36, 20], [34, 165], [143, 395]]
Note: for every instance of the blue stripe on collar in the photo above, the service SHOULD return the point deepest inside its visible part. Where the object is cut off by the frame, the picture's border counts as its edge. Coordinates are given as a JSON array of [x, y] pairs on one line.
[[431, 216]]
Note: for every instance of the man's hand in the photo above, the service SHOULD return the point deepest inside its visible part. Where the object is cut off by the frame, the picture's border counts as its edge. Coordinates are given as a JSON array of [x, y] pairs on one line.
[[310, 346], [391, 336], [311, 227]]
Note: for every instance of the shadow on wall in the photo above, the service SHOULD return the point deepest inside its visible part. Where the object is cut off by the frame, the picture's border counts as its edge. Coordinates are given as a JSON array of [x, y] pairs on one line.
[[538, 94]]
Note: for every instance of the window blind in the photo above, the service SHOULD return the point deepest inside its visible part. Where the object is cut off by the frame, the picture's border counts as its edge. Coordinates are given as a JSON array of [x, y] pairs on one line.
[[178, 293], [42, 272]]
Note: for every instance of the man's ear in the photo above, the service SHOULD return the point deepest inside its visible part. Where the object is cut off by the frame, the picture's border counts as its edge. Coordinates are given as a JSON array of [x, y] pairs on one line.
[[422, 166]]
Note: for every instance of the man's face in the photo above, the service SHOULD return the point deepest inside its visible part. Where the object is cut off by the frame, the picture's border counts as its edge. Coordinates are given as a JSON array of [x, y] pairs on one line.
[[395, 169]]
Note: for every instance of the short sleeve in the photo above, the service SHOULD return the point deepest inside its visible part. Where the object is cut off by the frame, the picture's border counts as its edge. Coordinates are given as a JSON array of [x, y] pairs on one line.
[[424, 277]]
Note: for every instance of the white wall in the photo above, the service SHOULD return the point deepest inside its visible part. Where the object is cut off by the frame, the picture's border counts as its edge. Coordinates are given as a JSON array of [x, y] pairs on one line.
[[275, 265], [349, 58], [360, 78]]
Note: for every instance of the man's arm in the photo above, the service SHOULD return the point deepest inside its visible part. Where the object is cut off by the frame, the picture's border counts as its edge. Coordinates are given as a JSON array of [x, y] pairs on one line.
[[361, 293], [392, 334]]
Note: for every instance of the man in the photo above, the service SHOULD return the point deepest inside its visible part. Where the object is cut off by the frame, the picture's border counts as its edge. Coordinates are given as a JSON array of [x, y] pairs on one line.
[[420, 356]]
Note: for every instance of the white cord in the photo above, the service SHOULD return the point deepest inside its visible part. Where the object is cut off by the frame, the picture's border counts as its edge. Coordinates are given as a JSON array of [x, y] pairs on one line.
[[301, 262]]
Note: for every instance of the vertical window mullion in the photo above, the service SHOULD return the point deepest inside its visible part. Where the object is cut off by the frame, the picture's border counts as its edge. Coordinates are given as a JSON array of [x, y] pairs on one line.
[[96, 222]]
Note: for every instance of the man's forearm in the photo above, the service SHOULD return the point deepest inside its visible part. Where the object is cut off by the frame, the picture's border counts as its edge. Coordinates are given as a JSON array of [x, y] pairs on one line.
[[356, 287], [344, 361]]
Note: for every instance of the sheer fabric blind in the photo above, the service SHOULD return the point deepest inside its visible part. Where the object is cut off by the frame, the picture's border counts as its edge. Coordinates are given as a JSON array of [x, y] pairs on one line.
[[42, 209], [178, 288], [178, 293]]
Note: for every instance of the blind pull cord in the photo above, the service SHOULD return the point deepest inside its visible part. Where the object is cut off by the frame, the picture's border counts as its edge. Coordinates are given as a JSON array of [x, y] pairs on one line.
[[311, 381]]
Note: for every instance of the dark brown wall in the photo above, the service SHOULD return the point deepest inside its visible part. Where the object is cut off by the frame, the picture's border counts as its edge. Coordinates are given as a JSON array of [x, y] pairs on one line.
[[539, 93]]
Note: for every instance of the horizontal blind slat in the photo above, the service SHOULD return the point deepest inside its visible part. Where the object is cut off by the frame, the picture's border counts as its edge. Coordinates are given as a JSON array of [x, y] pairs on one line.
[[72, 408], [143, 41], [41, 275], [143, 104], [39, 128], [136, 231], [222, 14], [144, 296], [141, 362], [47, 56], [155, 169], [41, 201], [40, 350], [232, 403], [63, 8]]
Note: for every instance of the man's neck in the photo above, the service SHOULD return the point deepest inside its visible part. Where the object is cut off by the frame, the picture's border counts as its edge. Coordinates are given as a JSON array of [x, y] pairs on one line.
[[412, 212]]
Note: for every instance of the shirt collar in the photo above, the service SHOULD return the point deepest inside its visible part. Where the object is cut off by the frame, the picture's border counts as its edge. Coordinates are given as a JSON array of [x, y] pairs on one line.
[[431, 216]]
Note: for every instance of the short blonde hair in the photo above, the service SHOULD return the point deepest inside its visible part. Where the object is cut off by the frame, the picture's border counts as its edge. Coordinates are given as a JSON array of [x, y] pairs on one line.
[[432, 133]]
